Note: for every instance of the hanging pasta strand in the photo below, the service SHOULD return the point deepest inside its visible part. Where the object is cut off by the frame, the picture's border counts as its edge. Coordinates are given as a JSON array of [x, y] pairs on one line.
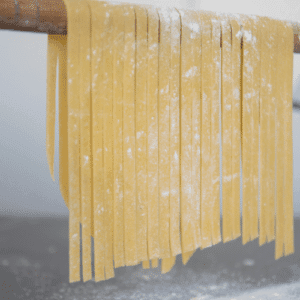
[[165, 141], [206, 97], [255, 105], [273, 48], [215, 129], [167, 264], [63, 121], [288, 142], [73, 141], [196, 124], [152, 141], [164, 132], [247, 89], [118, 68], [141, 132], [284, 171], [85, 135], [226, 100], [280, 155], [236, 123], [108, 137], [255, 65], [97, 139], [175, 134], [129, 140], [194, 76], [146, 264], [263, 121], [188, 226], [52, 59]]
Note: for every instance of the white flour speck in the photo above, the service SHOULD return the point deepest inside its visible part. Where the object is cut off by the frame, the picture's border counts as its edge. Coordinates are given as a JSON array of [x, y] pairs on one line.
[[248, 35], [239, 34], [227, 178], [86, 159], [195, 27], [176, 156], [236, 93], [191, 72], [139, 134]]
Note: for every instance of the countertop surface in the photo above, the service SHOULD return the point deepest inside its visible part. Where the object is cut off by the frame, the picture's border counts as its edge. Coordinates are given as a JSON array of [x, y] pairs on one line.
[[34, 265]]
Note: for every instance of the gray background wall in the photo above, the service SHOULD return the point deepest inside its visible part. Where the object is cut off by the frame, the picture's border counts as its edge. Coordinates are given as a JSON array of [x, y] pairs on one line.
[[26, 186]]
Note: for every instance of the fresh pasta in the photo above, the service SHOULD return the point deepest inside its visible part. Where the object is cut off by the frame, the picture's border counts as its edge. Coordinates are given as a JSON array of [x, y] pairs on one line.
[[150, 103]]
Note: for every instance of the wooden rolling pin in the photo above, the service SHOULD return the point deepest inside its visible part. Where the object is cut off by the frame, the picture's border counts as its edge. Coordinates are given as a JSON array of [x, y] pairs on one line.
[[50, 16]]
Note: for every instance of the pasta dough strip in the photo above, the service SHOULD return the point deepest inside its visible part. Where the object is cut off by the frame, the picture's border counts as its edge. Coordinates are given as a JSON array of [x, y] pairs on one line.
[[246, 128], [108, 137], [187, 210], [152, 142], [52, 57], [63, 121], [175, 134], [279, 140], [215, 130], [196, 124], [236, 124], [141, 132], [271, 131], [186, 256], [85, 142], [206, 96], [167, 264], [97, 139], [255, 126], [164, 132], [118, 68], [288, 170], [264, 131], [73, 141], [129, 138], [146, 264], [226, 100]]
